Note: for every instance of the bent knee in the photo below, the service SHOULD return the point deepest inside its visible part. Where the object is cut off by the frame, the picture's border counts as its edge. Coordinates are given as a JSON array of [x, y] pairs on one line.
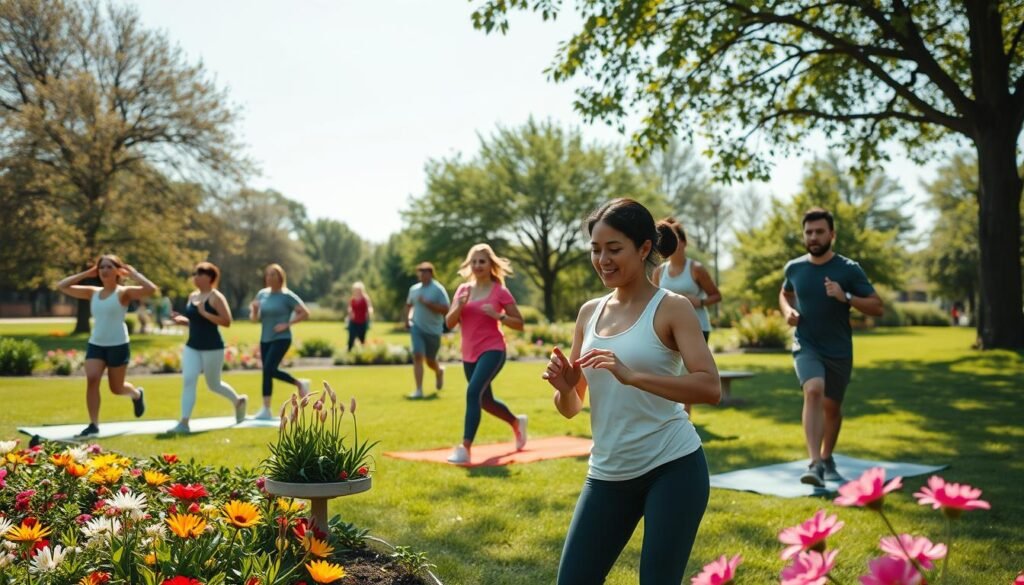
[[815, 388]]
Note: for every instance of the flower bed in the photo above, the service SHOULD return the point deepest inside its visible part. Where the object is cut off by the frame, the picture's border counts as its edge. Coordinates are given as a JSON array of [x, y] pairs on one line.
[[79, 515]]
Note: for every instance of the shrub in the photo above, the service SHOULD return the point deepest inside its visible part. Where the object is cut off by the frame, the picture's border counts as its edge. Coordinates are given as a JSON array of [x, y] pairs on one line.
[[763, 329], [325, 314], [375, 353], [531, 315], [18, 357], [549, 334], [923, 314], [132, 323], [316, 347]]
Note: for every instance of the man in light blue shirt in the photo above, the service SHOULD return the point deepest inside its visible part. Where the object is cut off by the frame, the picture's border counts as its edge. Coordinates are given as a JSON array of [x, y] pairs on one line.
[[425, 308]]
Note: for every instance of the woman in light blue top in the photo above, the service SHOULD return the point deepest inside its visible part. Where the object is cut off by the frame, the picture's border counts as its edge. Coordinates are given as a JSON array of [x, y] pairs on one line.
[[277, 309], [641, 353], [108, 342]]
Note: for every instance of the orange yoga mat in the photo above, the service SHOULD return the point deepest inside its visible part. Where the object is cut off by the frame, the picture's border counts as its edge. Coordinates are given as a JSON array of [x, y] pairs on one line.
[[505, 453]]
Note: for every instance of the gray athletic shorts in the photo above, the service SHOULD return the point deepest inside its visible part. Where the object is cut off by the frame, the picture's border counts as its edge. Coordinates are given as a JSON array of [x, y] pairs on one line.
[[424, 343], [836, 371]]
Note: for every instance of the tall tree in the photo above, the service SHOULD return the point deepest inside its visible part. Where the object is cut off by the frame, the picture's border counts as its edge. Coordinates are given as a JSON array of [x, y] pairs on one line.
[[761, 253], [88, 96], [775, 72], [333, 251], [527, 193]]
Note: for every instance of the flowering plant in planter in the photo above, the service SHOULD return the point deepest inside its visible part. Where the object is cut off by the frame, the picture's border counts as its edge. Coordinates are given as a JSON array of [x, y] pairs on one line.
[[311, 445], [907, 559]]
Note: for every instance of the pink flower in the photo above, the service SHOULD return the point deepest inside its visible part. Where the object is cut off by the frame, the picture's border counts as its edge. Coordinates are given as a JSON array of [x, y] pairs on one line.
[[809, 535], [920, 549], [953, 498], [718, 572], [809, 568], [891, 571], [867, 490], [1020, 579], [3, 474]]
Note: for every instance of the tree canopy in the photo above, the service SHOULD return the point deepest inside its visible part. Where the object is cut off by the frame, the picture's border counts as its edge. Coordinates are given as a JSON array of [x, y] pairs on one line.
[[758, 78]]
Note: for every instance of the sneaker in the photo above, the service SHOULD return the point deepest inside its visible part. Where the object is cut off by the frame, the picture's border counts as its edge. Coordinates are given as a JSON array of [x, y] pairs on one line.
[[240, 407], [830, 473], [415, 394], [264, 414], [459, 456], [179, 429], [521, 432], [303, 388], [814, 475], [440, 379], [89, 431], [139, 404]]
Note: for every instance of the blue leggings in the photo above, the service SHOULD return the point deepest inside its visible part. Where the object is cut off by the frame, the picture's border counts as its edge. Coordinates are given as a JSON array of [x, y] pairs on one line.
[[272, 352], [479, 394], [670, 498]]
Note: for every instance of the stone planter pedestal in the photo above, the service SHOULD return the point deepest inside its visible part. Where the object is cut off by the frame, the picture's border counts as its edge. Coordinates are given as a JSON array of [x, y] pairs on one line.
[[318, 494]]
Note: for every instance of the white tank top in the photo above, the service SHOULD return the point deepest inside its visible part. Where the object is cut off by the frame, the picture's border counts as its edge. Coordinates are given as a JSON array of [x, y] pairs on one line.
[[108, 327], [634, 431], [684, 284]]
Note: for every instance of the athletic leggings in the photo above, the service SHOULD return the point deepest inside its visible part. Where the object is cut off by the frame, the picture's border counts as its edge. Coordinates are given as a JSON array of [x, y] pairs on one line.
[[272, 352], [670, 498], [209, 362], [479, 394]]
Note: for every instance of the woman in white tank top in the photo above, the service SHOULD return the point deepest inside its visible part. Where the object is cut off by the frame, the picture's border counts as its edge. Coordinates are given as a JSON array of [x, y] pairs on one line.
[[108, 342], [641, 353]]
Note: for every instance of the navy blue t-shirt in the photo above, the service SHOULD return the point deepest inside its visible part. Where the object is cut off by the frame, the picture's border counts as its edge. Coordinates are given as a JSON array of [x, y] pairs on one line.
[[825, 321]]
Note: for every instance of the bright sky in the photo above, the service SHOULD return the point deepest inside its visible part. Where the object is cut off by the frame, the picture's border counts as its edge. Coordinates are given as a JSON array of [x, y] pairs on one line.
[[343, 102]]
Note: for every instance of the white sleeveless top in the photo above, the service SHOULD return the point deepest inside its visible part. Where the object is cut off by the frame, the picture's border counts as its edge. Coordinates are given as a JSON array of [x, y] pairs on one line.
[[634, 431], [684, 284], [108, 327]]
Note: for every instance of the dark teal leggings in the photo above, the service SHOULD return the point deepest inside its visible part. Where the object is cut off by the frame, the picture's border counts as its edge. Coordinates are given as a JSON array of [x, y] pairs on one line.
[[671, 499]]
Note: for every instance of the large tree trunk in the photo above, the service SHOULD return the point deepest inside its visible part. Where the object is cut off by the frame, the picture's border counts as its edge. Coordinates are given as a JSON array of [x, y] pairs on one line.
[[1001, 321]]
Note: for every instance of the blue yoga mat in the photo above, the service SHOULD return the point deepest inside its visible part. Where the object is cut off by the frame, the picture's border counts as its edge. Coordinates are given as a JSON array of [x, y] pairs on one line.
[[783, 479]]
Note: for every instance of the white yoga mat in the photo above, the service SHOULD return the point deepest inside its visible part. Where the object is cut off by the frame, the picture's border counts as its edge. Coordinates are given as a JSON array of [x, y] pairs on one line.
[[783, 479], [143, 427]]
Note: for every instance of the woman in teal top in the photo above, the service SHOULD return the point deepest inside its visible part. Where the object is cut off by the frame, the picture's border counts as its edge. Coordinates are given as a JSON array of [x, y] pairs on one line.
[[277, 309]]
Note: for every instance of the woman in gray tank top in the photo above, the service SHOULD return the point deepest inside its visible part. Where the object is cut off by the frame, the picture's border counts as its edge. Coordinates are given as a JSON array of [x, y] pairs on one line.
[[108, 342], [641, 353]]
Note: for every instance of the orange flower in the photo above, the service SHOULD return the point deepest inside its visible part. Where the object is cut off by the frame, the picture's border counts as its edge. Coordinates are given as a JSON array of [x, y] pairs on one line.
[[107, 475], [95, 578], [76, 470], [29, 532], [324, 572], [241, 514], [316, 547], [61, 459], [186, 525]]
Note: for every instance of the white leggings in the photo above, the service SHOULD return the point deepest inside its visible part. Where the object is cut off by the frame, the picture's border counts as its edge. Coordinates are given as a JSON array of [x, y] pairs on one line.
[[209, 362]]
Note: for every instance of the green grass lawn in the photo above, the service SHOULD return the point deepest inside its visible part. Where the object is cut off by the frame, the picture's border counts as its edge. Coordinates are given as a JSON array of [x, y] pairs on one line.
[[918, 395], [57, 335]]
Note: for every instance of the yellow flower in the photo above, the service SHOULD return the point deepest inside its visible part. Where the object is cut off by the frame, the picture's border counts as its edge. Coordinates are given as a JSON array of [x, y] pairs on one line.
[[107, 475], [186, 525], [76, 470], [315, 546], [324, 572], [155, 478], [18, 458], [107, 460], [150, 559], [289, 506], [29, 532], [241, 514]]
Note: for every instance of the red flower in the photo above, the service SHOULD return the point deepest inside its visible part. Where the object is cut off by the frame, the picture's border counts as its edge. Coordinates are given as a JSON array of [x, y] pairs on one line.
[[302, 527], [182, 581], [343, 475], [169, 458], [363, 471], [96, 578], [194, 508], [188, 492], [253, 581]]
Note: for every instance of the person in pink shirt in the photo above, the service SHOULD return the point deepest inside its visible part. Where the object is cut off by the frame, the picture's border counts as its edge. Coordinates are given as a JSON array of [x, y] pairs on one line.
[[482, 304]]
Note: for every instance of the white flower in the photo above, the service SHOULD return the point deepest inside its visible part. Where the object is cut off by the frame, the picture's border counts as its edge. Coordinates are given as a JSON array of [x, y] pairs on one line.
[[47, 560], [101, 527], [7, 446], [157, 531], [7, 559], [5, 525], [129, 502], [80, 454]]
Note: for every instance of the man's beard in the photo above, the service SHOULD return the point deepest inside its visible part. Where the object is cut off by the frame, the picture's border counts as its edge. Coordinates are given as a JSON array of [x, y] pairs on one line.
[[823, 249]]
